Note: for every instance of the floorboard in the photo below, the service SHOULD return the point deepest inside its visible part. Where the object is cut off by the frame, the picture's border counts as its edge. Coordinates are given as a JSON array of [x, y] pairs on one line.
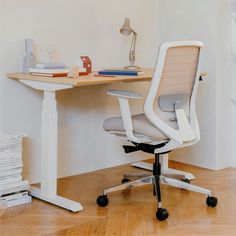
[[129, 212]]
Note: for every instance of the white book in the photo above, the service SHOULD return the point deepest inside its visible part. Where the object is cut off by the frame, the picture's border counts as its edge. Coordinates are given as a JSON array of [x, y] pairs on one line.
[[11, 136], [9, 160], [11, 164], [11, 150], [9, 141], [13, 190], [49, 71], [8, 153], [16, 202], [11, 179], [14, 185], [10, 167], [10, 172], [13, 196], [9, 144], [10, 176], [10, 156]]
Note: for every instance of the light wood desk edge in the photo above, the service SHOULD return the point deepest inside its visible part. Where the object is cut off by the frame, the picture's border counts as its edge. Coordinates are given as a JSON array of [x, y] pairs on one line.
[[88, 80]]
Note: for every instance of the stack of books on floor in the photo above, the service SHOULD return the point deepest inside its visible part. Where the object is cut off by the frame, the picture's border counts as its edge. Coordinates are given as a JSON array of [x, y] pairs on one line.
[[13, 190], [50, 70]]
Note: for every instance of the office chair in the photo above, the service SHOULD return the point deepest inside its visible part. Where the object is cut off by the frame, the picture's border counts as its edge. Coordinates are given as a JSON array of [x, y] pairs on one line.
[[169, 120]]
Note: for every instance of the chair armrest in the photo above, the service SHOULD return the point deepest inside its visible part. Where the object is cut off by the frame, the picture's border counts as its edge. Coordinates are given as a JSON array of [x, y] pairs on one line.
[[123, 98], [124, 94]]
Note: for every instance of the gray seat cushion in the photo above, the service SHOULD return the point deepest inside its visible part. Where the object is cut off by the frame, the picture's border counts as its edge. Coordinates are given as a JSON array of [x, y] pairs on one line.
[[141, 126]]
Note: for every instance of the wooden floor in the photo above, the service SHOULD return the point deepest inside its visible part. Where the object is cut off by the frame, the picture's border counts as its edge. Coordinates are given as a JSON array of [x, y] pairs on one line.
[[130, 212]]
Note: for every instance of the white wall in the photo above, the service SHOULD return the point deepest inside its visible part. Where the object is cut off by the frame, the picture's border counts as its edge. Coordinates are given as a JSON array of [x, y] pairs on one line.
[[233, 101], [208, 21], [223, 90], [76, 28], [1, 57]]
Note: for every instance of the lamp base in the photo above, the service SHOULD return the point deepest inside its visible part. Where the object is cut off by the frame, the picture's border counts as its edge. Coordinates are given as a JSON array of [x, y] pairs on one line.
[[132, 67]]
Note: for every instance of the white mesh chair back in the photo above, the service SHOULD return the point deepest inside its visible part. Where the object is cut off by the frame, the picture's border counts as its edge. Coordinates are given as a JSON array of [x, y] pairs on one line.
[[176, 74], [179, 70]]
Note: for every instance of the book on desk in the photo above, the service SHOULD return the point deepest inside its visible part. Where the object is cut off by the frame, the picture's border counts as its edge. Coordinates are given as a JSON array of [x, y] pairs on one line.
[[121, 72], [50, 75], [56, 72]]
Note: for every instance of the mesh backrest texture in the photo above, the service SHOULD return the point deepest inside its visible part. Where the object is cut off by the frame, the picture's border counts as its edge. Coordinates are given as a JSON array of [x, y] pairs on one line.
[[179, 74], [179, 70]]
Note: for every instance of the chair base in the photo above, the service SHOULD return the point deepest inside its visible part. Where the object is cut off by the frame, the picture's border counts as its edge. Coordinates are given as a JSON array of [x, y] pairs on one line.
[[163, 180], [161, 213], [156, 179]]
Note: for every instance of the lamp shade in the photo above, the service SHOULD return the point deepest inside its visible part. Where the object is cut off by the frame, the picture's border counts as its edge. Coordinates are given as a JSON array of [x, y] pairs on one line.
[[126, 29]]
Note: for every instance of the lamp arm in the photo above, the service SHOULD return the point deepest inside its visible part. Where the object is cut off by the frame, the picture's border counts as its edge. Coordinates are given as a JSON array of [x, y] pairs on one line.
[[132, 49]]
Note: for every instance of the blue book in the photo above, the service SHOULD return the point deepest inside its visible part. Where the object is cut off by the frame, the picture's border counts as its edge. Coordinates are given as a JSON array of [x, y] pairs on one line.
[[120, 72]]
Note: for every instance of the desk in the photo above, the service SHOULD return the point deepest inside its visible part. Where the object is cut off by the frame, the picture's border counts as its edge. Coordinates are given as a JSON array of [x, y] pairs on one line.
[[49, 86], [87, 80]]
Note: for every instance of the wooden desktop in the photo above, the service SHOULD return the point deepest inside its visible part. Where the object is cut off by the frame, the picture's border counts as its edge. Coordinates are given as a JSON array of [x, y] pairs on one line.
[[87, 80]]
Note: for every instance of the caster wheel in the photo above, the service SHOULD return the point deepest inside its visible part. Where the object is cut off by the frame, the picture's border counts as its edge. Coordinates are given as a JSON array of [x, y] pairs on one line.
[[102, 200], [186, 180], [125, 180], [211, 201], [162, 214]]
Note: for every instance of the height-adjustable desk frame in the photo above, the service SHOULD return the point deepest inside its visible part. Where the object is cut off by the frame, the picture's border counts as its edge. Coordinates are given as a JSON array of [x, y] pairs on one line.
[[49, 127]]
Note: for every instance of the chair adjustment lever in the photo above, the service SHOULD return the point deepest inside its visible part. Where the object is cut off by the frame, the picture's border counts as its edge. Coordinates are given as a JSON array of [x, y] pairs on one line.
[[143, 147], [129, 149]]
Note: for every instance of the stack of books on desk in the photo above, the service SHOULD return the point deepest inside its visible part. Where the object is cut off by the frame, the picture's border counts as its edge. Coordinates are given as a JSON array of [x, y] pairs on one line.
[[50, 70], [13, 190]]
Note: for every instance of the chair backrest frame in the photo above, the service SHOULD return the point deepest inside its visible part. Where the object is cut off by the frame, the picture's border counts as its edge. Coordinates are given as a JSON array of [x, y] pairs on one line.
[[149, 109]]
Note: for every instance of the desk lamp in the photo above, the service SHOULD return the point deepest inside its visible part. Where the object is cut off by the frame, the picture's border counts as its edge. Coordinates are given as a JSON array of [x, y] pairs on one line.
[[127, 30]]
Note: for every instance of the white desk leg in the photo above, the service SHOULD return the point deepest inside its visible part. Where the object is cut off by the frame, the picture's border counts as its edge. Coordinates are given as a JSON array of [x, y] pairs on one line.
[[164, 167], [48, 191]]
